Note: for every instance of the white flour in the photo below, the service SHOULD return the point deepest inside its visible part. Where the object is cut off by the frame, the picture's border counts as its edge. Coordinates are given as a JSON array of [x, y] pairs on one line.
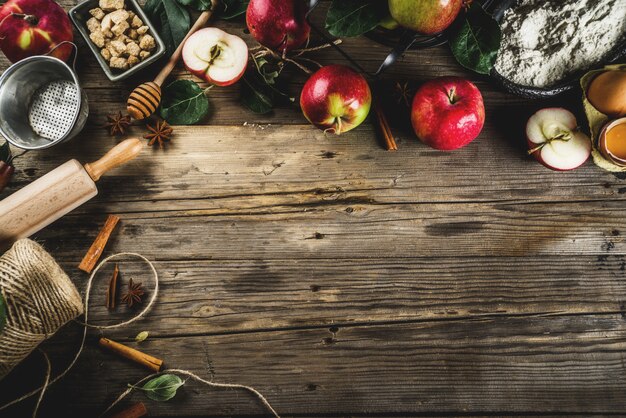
[[544, 41]]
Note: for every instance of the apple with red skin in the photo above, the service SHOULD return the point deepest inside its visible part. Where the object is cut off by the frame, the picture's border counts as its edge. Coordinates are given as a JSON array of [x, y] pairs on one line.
[[34, 27], [336, 99], [425, 16], [216, 56], [448, 113], [280, 25], [555, 140]]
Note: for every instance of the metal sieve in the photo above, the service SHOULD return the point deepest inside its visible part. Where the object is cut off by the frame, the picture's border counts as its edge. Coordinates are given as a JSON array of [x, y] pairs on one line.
[[41, 103]]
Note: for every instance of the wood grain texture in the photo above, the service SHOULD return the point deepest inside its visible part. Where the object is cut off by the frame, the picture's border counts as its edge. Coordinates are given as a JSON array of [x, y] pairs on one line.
[[340, 279]]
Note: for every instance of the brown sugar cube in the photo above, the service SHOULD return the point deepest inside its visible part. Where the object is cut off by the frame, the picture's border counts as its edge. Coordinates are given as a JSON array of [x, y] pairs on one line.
[[119, 63], [133, 49], [119, 16], [93, 25], [107, 33], [136, 22], [110, 5], [132, 61], [147, 43], [131, 15], [142, 30], [98, 13], [144, 54], [118, 46], [106, 54], [97, 38], [132, 34], [112, 50], [120, 28]]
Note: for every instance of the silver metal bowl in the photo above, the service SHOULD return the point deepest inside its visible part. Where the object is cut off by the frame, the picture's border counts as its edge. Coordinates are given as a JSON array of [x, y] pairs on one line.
[[41, 103]]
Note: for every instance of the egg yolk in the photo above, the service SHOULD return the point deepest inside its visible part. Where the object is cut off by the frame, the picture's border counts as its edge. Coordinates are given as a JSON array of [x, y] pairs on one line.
[[616, 141]]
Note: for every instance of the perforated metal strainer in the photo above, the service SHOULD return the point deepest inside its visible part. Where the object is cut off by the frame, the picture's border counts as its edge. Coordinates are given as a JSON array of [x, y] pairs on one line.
[[41, 103]]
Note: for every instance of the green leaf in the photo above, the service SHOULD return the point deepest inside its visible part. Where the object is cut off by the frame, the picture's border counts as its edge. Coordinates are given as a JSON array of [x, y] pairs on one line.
[[3, 313], [183, 103], [162, 388], [142, 336], [171, 21], [267, 71], [5, 152], [355, 17], [234, 8], [476, 41], [200, 5], [256, 94]]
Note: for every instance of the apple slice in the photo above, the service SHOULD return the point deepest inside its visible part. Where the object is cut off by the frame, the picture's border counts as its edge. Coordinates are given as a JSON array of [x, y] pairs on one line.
[[216, 56], [555, 141]]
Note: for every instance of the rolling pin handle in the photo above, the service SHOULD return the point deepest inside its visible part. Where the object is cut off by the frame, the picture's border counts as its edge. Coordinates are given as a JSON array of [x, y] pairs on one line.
[[118, 155]]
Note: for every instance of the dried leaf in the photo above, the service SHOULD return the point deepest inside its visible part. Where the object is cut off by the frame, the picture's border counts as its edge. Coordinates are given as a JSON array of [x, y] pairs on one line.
[[142, 336]]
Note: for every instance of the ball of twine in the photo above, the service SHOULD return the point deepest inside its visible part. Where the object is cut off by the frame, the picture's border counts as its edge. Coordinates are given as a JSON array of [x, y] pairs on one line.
[[39, 297]]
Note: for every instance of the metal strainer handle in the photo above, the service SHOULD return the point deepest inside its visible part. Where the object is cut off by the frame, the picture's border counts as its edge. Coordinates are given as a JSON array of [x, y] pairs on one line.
[[75, 52]]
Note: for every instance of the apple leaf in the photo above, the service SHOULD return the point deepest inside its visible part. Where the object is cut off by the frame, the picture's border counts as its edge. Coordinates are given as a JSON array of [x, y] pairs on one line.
[[355, 17], [161, 388], [3, 313], [183, 103], [233, 8], [261, 89], [171, 20], [476, 41]]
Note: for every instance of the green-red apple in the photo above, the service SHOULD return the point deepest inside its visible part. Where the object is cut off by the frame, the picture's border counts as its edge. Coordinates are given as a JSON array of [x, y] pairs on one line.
[[425, 16], [336, 99]]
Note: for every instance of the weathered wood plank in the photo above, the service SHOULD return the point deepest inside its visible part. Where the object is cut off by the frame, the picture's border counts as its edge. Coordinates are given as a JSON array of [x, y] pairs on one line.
[[289, 164], [218, 296], [529, 365]]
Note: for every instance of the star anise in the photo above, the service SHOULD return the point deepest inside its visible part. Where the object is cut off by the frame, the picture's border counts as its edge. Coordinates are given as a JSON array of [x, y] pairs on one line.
[[160, 133], [467, 4], [117, 124], [133, 294], [403, 93]]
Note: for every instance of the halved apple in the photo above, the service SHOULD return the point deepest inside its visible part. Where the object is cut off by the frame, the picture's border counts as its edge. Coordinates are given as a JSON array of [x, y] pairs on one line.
[[216, 56], [555, 141]]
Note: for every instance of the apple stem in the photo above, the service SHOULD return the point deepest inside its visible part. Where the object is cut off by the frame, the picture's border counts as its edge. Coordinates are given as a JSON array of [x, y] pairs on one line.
[[452, 95], [30, 19], [561, 135]]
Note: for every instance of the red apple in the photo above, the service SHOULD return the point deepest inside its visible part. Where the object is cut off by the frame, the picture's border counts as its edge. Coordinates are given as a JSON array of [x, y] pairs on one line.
[[425, 16], [34, 27], [216, 56], [448, 113], [555, 141], [336, 99], [278, 24]]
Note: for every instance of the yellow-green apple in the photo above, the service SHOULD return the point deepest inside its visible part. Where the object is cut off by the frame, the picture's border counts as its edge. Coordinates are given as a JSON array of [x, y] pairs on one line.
[[336, 99], [448, 113], [216, 56], [555, 141], [34, 27], [425, 16], [278, 24]]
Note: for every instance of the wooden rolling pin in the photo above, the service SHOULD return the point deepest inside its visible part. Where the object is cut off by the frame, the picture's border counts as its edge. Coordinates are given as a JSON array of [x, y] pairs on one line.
[[145, 99], [55, 194]]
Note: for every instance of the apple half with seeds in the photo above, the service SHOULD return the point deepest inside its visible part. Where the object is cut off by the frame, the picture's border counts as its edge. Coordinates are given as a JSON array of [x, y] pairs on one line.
[[216, 56], [555, 140]]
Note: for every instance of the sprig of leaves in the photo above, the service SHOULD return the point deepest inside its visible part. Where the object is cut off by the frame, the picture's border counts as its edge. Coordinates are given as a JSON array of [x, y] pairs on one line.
[[476, 41], [354, 17], [260, 87], [171, 20], [183, 103], [3, 313], [161, 388]]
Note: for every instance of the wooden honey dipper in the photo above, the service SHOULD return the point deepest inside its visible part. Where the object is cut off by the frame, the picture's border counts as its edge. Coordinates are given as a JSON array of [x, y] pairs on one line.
[[145, 99]]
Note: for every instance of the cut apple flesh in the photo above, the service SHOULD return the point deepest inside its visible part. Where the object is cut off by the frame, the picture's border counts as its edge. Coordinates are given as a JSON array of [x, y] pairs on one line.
[[553, 135]]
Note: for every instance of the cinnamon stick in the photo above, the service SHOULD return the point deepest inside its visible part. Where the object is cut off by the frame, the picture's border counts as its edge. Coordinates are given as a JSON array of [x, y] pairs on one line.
[[96, 249], [112, 290], [388, 140], [134, 411], [137, 356]]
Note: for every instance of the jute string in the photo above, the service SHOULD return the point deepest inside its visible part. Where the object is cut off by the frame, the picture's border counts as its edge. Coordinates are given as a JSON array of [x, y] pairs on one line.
[[25, 263]]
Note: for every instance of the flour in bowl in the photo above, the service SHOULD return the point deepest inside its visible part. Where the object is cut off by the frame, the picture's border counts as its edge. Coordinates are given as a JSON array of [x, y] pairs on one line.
[[544, 41]]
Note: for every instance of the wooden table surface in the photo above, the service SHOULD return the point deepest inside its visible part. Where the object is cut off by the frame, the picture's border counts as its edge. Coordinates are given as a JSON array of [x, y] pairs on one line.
[[341, 279]]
